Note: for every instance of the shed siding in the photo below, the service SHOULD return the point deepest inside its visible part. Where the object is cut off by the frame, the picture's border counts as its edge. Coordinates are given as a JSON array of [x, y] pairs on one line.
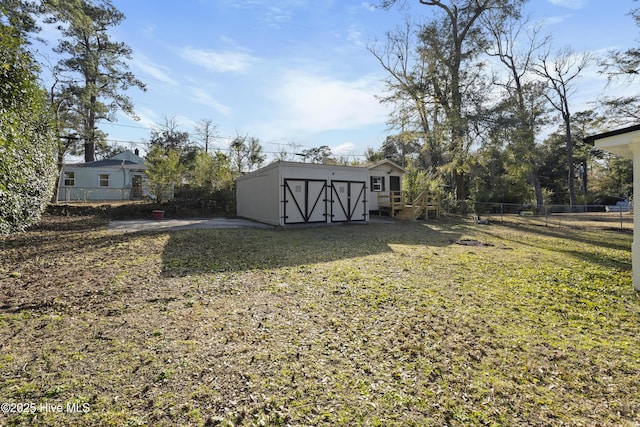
[[263, 196], [257, 196]]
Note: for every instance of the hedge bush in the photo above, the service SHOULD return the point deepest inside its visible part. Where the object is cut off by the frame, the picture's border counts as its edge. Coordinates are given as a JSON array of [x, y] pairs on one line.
[[27, 146]]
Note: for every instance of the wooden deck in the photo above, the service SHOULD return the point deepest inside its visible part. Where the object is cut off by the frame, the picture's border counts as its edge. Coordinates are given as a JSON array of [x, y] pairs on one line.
[[400, 208]]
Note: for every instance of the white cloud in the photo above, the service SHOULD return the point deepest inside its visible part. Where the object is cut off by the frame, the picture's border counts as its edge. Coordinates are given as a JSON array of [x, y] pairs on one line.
[[219, 62], [343, 149], [570, 4], [155, 71], [148, 117], [201, 96], [368, 6], [354, 35], [311, 103]]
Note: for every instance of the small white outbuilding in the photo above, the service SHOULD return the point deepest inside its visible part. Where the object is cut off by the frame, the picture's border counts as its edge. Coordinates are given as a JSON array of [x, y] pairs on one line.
[[285, 193], [385, 180]]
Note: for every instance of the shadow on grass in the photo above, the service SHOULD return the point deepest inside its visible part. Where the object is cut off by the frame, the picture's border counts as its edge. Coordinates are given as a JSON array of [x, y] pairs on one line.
[[217, 250], [614, 240], [55, 235]]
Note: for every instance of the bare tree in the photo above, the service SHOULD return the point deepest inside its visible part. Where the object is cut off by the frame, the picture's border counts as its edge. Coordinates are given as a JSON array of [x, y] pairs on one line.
[[450, 45], [410, 90], [523, 95], [560, 74], [622, 66], [205, 133]]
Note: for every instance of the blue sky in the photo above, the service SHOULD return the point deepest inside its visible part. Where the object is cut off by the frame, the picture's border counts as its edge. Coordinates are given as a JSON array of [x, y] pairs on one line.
[[298, 71]]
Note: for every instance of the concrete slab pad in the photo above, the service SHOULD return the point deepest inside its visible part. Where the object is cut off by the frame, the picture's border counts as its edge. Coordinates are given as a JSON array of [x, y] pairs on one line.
[[131, 226]]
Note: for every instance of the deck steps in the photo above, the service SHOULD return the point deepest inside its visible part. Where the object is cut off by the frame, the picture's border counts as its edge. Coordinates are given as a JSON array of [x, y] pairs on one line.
[[422, 205], [408, 213]]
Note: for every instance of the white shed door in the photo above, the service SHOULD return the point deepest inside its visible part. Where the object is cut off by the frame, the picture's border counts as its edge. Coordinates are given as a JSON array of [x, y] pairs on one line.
[[348, 201], [305, 200]]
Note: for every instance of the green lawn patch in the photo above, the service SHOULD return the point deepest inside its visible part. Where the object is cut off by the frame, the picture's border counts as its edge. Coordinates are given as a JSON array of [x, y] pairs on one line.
[[427, 324]]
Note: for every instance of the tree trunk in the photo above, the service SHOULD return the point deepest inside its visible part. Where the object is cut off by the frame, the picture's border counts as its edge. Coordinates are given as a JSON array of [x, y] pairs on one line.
[[571, 177], [90, 133], [534, 179]]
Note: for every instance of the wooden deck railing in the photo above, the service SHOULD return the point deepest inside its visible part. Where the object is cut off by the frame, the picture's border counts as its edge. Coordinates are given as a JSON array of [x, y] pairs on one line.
[[394, 200], [397, 201]]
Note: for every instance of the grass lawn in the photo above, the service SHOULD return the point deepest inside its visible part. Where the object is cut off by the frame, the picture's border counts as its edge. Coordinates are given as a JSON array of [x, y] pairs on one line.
[[428, 324]]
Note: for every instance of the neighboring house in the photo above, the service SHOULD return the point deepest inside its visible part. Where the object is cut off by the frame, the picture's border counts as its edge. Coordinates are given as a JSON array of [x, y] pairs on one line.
[[120, 177], [284, 193], [385, 177]]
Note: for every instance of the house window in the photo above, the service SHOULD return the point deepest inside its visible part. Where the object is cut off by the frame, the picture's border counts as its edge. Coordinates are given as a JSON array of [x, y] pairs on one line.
[[69, 179], [103, 180], [377, 183]]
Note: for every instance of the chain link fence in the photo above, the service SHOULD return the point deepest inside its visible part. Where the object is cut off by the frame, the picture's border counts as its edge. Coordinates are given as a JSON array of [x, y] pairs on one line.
[[619, 216]]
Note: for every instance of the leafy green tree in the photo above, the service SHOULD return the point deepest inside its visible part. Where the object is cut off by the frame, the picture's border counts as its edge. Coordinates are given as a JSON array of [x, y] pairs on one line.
[[373, 155], [317, 154], [410, 92], [27, 143], [169, 137], [164, 171], [93, 73], [246, 154], [212, 171], [20, 16], [418, 180], [553, 170], [450, 46], [612, 179]]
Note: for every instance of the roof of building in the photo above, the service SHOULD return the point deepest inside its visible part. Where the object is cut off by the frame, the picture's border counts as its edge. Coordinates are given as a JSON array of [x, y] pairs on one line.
[[591, 139], [124, 160], [108, 163], [383, 162], [617, 141]]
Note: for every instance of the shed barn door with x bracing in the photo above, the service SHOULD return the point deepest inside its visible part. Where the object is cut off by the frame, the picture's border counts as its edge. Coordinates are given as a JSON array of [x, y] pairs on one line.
[[305, 200], [348, 201]]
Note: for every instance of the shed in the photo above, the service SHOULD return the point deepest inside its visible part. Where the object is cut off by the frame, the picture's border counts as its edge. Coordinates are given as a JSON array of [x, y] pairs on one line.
[[385, 178], [120, 177], [284, 193], [625, 142]]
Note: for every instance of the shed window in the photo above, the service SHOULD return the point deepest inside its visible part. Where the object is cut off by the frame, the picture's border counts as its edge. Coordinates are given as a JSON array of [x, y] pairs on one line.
[[377, 183], [103, 180], [69, 179]]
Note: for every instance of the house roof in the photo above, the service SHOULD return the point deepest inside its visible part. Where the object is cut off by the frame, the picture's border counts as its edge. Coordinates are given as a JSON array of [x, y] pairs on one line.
[[384, 162], [109, 163], [617, 141], [124, 160], [129, 155]]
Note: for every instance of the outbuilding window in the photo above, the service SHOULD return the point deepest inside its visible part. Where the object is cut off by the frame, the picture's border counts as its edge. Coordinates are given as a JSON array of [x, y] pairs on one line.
[[69, 179], [103, 180], [377, 183]]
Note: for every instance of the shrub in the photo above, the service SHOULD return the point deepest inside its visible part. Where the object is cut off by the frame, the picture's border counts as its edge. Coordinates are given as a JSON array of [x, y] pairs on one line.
[[27, 145], [164, 172]]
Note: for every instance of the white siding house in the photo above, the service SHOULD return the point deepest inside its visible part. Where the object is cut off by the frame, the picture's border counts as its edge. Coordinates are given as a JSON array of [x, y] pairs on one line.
[[285, 193], [120, 177], [385, 177]]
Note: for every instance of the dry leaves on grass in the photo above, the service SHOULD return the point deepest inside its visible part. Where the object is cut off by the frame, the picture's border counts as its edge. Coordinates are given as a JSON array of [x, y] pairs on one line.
[[384, 324]]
